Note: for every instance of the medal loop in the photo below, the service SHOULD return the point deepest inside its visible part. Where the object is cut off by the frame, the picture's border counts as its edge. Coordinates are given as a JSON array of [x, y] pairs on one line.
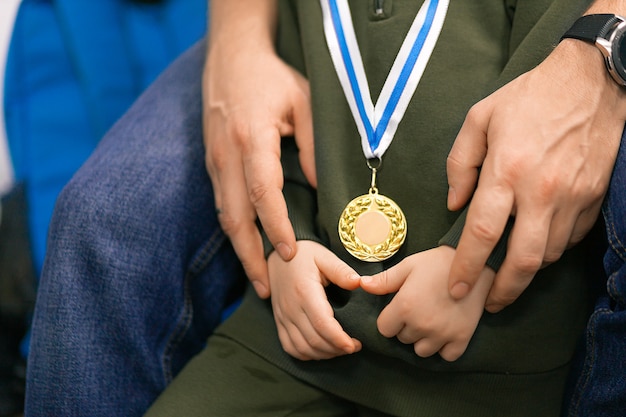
[[374, 167]]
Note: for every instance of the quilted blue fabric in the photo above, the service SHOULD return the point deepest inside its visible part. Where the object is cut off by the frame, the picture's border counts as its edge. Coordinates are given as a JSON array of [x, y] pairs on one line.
[[74, 67]]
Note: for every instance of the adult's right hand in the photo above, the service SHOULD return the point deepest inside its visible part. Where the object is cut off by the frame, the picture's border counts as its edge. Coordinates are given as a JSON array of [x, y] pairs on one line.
[[251, 99]]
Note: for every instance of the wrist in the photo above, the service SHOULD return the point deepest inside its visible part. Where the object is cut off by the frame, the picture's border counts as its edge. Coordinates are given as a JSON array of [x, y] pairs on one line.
[[579, 66], [607, 6], [239, 27]]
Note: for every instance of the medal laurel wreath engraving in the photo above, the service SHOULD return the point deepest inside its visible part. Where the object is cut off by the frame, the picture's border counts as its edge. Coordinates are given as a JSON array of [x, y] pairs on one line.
[[372, 227]]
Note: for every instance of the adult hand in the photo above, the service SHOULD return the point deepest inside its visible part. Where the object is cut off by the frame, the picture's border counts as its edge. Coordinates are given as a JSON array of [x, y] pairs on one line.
[[547, 143], [252, 99]]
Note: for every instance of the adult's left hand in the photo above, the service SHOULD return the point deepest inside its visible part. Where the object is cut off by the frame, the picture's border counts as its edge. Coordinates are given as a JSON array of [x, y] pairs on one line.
[[545, 144]]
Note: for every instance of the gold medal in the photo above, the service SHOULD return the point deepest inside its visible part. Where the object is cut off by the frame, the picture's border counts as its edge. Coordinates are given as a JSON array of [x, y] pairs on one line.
[[372, 227]]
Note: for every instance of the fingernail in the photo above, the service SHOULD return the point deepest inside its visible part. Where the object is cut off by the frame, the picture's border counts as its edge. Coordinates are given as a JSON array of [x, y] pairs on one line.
[[284, 251], [355, 277], [459, 290], [366, 279]]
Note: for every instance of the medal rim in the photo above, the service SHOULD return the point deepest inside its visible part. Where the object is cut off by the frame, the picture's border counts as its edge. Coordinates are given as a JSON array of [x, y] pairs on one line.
[[381, 251]]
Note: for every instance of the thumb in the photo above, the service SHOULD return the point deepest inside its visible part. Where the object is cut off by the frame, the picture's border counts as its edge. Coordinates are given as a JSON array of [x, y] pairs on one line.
[[337, 271], [387, 281]]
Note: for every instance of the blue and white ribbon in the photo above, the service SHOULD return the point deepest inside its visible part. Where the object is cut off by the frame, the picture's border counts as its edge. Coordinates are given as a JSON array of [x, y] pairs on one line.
[[377, 124]]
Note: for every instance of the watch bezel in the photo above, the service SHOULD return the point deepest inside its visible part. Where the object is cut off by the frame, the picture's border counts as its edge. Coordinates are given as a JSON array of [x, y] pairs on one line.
[[612, 49]]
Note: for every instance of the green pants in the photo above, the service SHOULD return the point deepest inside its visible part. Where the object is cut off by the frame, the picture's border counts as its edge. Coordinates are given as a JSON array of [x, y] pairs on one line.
[[227, 380]]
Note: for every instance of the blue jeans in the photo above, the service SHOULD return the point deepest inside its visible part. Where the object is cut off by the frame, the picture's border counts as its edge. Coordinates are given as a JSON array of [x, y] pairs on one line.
[[599, 382], [138, 270]]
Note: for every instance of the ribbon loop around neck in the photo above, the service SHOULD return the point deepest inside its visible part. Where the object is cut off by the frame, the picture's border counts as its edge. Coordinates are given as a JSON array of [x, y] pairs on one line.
[[377, 124]]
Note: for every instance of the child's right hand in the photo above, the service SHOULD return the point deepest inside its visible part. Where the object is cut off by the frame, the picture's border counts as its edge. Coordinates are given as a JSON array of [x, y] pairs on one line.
[[306, 324]]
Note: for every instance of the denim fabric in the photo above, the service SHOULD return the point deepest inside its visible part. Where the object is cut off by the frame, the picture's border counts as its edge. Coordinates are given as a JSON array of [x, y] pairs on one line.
[[138, 270], [600, 385]]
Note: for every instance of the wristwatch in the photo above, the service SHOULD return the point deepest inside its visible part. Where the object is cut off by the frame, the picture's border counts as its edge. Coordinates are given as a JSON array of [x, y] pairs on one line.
[[608, 33]]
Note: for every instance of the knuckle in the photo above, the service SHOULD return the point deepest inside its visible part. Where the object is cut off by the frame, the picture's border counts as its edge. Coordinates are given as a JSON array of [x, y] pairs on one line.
[[315, 342], [404, 307], [548, 187], [381, 280], [452, 160], [485, 231], [474, 114], [551, 257], [230, 225], [528, 264], [405, 339], [257, 192], [320, 324], [216, 159], [238, 130], [451, 353], [423, 350], [576, 237], [503, 299], [342, 271]]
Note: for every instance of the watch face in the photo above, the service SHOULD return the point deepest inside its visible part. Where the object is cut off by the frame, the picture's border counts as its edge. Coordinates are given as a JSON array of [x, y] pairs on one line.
[[619, 54]]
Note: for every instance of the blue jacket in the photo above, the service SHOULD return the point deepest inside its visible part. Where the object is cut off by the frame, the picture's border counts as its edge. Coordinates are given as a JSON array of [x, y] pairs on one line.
[[74, 67]]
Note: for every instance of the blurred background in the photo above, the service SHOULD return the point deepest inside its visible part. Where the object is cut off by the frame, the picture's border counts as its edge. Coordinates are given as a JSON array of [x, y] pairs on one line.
[[68, 70]]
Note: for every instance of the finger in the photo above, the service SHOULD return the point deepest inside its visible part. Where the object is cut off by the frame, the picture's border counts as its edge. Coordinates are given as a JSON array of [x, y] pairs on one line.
[[298, 346], [466, 156], [291, 336], [561, 230], [453, 351], [303, 122], [525, 253], [389, 323], [426, 347], [238, 220], [409, 335], [584, 223], [248, 245], [322, 330], [286, 340], [264, 179], [487, 216], [338, 272], [303, 341], [387, 281]]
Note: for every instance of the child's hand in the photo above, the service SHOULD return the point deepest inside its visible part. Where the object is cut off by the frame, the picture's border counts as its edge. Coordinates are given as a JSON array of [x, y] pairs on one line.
[[306, 324], [422, 312]]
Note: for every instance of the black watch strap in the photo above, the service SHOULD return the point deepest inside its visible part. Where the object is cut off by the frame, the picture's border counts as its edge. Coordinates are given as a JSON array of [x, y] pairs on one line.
[[589, 28]]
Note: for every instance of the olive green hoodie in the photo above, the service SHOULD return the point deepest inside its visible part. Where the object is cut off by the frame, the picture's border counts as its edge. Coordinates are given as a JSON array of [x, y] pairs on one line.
[[517, 361]]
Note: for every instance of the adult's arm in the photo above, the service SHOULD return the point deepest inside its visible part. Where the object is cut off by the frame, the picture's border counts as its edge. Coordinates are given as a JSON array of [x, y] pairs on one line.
[[252, 98], [546, 144]]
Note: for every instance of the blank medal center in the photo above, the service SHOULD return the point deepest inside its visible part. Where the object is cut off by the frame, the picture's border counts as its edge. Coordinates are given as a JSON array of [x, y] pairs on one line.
[[372, 227]]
